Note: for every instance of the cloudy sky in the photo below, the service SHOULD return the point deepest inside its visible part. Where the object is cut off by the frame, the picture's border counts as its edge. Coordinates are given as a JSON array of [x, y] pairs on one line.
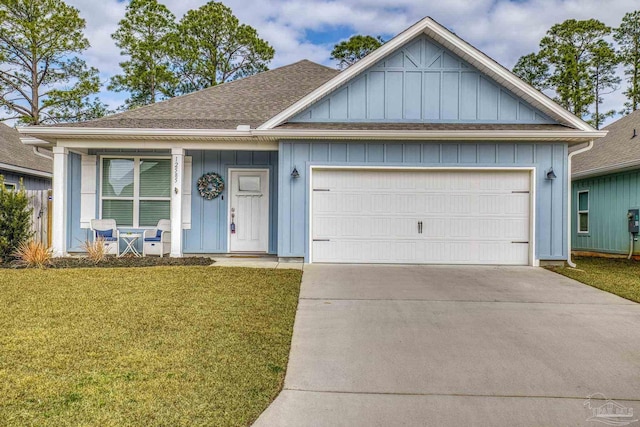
[[308, 29]]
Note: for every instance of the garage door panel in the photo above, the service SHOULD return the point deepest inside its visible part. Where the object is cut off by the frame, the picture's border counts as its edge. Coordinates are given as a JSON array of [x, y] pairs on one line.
[[467, 216], [496, 229], [338, 226], [516, 204]]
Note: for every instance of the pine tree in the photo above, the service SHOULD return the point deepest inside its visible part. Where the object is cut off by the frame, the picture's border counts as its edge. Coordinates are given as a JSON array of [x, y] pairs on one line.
[[627, 35]]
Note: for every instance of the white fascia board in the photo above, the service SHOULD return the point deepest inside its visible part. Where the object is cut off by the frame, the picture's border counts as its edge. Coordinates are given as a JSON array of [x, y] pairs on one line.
[[454, 43], [438, 135], [35, 142], [49, 133], [246, 144], [25, 171]]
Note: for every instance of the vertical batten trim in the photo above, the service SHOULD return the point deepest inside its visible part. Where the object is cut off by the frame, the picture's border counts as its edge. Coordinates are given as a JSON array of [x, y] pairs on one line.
[[177, 177], [88, 179], [60, 177]]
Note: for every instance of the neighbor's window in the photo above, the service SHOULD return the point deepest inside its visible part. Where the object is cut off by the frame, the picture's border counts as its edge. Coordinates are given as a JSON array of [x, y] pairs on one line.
[[10, 186], [136, 192], [583, 211]]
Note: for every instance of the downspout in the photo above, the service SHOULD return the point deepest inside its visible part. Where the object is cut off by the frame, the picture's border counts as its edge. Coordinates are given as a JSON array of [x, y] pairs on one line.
[[38, 153], [570, 194]]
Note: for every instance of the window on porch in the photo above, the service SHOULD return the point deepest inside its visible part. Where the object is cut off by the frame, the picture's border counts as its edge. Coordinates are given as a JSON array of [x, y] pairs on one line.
[[136, 191]]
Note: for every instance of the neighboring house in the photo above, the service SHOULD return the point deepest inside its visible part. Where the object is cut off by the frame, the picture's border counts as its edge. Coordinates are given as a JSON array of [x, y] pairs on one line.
[[20, 162], [425, 151], [606, 184]]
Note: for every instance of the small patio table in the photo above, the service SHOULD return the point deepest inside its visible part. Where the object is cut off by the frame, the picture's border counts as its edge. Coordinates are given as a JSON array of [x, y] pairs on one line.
[[130, 240]]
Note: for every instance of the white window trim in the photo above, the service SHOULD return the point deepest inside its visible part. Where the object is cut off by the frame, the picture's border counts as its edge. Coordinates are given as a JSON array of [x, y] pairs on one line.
[[583, 211], [10, 186], [136, 189]]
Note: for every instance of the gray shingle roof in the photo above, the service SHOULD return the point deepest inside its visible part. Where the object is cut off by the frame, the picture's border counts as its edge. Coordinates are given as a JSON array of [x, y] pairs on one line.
[[617, 148], [248, 101], [14, 152]]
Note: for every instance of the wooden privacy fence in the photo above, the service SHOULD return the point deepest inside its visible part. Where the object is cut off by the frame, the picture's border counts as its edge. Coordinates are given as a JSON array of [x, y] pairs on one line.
[[40, 202]]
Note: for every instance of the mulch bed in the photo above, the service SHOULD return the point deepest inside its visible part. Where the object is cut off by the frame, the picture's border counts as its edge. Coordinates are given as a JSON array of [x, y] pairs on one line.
[[112, 261]]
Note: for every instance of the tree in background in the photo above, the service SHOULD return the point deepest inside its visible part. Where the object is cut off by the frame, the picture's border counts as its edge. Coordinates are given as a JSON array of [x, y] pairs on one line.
[[534, 70], [575, 62], [627, 35], [15, 220], [357, 47], [42, 80], [604, 79], [212, 47], [144, 35]]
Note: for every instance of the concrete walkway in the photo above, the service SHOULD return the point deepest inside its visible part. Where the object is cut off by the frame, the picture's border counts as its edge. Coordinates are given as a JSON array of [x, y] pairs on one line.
[[255, 262], [455, 346]]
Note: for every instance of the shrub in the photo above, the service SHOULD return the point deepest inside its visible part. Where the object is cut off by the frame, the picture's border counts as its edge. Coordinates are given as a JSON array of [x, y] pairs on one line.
[[33, 254], [95, 250], [15, 220]]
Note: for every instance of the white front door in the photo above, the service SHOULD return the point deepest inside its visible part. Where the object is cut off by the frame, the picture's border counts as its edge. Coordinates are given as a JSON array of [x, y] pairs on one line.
[[421, 216], [249, 210]]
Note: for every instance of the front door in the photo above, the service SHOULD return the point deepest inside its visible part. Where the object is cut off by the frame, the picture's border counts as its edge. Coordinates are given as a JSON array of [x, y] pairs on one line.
[[249, 210]]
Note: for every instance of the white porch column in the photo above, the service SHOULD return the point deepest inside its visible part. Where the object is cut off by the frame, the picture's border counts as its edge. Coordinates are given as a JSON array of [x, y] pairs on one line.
[[177, 171], [59, 236]]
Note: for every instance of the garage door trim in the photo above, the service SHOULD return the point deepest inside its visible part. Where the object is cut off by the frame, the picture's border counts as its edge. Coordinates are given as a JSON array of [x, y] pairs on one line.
[[533, 261]]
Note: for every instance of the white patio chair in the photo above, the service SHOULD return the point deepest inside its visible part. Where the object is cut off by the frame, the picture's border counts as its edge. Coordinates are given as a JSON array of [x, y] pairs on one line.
[[107, 230], [158, 240]]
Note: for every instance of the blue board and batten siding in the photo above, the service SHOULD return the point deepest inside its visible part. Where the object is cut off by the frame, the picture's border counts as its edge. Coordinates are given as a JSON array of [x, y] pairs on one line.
[[209, 223], [610, 197], [422, 82], [30, 182], [76, 236], [551, 200]]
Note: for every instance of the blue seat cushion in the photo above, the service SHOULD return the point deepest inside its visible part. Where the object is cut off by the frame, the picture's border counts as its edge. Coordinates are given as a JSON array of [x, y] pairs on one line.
[[152, 239], [109, 239], [159, 233], [104, 233]]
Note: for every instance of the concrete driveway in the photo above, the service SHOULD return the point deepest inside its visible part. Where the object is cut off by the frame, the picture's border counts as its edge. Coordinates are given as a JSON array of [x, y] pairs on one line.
[[453, 346]]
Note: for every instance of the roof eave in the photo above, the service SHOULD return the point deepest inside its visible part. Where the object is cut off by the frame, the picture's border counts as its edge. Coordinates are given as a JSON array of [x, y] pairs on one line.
[[571, 136], [54, 134], [50, 135], [606, 170], [25, 171]]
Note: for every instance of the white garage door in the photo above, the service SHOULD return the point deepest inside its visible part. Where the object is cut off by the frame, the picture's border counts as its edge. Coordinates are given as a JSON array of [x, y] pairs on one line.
[[434, 216]]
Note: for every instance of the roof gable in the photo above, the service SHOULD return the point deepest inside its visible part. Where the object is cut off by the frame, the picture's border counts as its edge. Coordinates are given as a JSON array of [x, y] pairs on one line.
[[422, 82], [467, 53]]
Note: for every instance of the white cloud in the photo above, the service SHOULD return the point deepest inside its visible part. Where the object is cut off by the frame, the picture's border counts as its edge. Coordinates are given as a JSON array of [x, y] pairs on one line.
[[503, 29]]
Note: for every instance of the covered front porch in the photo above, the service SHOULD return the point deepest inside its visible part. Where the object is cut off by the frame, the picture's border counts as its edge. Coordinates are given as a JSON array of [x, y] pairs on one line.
[[138, 187]]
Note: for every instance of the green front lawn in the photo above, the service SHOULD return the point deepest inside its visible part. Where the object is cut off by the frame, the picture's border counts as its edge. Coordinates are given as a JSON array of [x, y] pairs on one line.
[[161, 346], [618, 276]]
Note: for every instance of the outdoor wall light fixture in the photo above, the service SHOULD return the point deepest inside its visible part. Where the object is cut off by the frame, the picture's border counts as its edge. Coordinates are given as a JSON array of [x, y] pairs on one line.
[[551, 174], [294, 173]]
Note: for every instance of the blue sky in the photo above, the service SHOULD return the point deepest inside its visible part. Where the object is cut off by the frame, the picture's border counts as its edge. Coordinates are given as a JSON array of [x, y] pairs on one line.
[[308, 29]]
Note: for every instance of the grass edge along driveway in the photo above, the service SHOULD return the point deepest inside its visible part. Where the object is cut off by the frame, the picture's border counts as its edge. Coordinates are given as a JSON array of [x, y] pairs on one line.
[[617, 276], [161, 346]]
